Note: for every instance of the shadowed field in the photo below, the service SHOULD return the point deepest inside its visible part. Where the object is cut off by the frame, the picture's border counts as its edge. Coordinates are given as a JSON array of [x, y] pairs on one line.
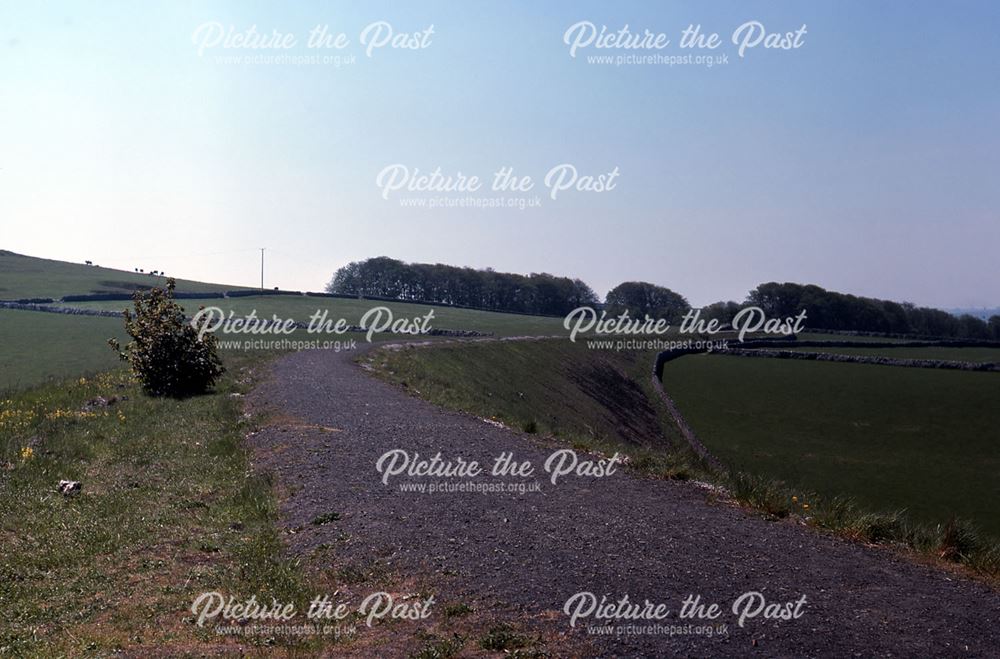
[[937, 352], [893, 438]]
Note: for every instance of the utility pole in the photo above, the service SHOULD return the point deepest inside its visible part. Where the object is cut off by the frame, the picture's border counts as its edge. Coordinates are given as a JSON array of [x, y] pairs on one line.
[[262, 269]]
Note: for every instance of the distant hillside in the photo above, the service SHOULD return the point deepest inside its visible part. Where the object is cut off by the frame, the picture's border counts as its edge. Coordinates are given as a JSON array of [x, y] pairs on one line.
[[30, 277]]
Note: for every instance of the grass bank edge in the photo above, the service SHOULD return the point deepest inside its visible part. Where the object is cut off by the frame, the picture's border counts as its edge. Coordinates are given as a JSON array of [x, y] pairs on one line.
[[169, 508], [950, 544]]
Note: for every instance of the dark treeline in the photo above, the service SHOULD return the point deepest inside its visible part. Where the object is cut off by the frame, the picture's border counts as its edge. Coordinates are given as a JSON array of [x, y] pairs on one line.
[[839, 311], [641, 299], [546, 294], [467, 287]]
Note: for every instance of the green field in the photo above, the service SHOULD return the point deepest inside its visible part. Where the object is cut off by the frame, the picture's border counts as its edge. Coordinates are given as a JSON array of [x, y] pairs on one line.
[[301, 308], [30, 277], [813, 336], [36, 346], [941, 352], [892, 438]]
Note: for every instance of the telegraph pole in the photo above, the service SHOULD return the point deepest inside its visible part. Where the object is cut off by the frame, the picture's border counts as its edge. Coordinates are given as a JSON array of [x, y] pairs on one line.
[[262, 269]]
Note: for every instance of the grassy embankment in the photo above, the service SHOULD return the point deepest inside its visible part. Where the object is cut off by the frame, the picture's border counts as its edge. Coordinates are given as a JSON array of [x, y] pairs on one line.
[[593, 400]]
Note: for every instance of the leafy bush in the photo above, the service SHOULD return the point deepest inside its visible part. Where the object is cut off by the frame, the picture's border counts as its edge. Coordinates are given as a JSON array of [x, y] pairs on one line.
[[165, 353]]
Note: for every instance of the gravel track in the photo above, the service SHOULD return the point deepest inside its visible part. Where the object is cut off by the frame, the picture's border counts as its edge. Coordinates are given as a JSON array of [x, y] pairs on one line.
[[618, 535]]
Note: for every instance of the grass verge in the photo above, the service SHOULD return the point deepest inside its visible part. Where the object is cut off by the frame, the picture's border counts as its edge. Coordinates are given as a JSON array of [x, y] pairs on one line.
[[168, 509]]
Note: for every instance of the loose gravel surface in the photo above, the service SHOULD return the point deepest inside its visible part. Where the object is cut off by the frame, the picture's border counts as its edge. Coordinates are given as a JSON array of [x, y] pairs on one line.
[[615, 536]]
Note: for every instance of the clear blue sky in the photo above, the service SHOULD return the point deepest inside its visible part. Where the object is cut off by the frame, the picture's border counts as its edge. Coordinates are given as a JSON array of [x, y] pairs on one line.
[[864, 161]]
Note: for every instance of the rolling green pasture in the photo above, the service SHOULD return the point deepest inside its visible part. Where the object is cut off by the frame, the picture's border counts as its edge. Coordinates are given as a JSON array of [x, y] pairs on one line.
[[28, 277], [815, 336], [923, 440], [301, 308], [937, 352], [36, 346]]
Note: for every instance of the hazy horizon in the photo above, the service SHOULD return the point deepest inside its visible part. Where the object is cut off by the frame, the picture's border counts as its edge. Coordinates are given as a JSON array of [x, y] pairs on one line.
[[322, 288], [862, 161]]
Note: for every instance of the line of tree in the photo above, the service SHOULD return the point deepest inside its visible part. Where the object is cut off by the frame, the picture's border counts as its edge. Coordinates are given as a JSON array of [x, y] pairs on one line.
[[539, 293], [841, 311], [550, 295], [640, 299]]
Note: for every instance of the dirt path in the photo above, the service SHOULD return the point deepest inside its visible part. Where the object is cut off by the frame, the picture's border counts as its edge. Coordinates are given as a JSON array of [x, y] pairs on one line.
[[618, 535]]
